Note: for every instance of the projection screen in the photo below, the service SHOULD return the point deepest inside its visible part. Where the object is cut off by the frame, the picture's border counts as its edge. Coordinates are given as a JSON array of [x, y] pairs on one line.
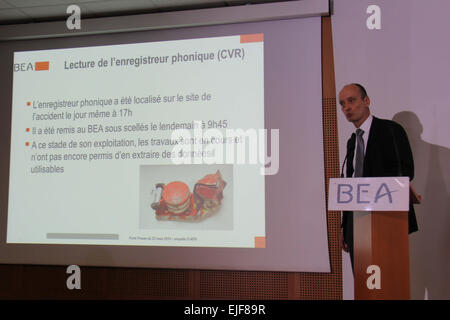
[[196, 147]]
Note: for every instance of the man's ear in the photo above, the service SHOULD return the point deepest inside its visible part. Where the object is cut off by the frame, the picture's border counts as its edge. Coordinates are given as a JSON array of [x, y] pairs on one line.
[[366, 101]]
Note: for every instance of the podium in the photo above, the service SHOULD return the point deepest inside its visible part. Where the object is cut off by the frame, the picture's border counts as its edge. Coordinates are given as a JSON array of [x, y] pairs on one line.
[[380, 238]]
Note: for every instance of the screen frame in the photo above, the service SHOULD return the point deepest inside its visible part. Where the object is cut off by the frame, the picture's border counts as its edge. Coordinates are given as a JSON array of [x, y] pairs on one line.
[[126, 252]]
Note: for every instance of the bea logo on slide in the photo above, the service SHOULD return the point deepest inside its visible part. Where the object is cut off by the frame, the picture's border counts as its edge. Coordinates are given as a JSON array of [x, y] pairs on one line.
[[37, 66], [23, 67]]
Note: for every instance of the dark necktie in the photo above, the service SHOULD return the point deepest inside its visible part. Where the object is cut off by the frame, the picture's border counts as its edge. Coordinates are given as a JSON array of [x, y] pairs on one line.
[[359, 160]]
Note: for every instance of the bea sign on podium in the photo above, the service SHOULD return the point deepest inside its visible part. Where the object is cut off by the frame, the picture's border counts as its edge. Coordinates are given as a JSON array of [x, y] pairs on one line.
[[369, 194]]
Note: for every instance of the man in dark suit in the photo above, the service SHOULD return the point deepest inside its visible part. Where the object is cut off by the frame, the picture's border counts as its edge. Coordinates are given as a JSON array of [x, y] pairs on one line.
[[383, 148]]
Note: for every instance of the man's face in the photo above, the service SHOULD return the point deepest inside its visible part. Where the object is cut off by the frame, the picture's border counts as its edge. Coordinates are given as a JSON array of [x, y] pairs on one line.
[[355, 109]]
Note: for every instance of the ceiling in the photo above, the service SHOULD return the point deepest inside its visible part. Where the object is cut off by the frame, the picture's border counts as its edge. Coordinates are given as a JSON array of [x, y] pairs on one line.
[[30, 11]]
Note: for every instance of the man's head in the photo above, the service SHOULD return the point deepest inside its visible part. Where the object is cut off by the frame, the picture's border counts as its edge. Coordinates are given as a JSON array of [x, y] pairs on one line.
[[355, 103]]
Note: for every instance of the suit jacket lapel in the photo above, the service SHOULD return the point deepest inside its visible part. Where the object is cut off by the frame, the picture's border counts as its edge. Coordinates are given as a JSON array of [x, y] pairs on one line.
[[370, 149], [350, 155]]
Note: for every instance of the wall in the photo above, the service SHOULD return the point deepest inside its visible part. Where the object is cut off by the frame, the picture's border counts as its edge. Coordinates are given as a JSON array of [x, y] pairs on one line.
[[405, 68]]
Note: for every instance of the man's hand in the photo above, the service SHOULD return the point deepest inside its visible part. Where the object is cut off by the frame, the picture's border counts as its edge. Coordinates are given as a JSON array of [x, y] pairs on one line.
[[344, 246]]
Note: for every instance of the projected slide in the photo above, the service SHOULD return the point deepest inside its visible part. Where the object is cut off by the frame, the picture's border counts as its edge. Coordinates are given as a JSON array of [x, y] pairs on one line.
[[124, 144]]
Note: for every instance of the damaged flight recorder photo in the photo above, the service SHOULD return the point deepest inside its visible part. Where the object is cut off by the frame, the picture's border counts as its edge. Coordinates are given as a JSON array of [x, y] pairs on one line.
[[177, 203]]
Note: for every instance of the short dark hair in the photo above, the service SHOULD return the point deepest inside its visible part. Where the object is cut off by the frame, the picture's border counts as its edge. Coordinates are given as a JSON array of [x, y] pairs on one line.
[[362, 90]]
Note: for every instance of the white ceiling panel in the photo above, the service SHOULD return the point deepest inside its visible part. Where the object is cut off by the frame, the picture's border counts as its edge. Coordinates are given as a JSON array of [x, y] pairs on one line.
[[12, 15], [176, 3], [27, 11], [119, 6], [47, 12], [37, 3], [4, 5]]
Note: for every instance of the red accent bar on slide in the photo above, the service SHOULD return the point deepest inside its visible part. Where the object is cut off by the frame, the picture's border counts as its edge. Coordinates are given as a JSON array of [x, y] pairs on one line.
[[255, 37], [42, 65]]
